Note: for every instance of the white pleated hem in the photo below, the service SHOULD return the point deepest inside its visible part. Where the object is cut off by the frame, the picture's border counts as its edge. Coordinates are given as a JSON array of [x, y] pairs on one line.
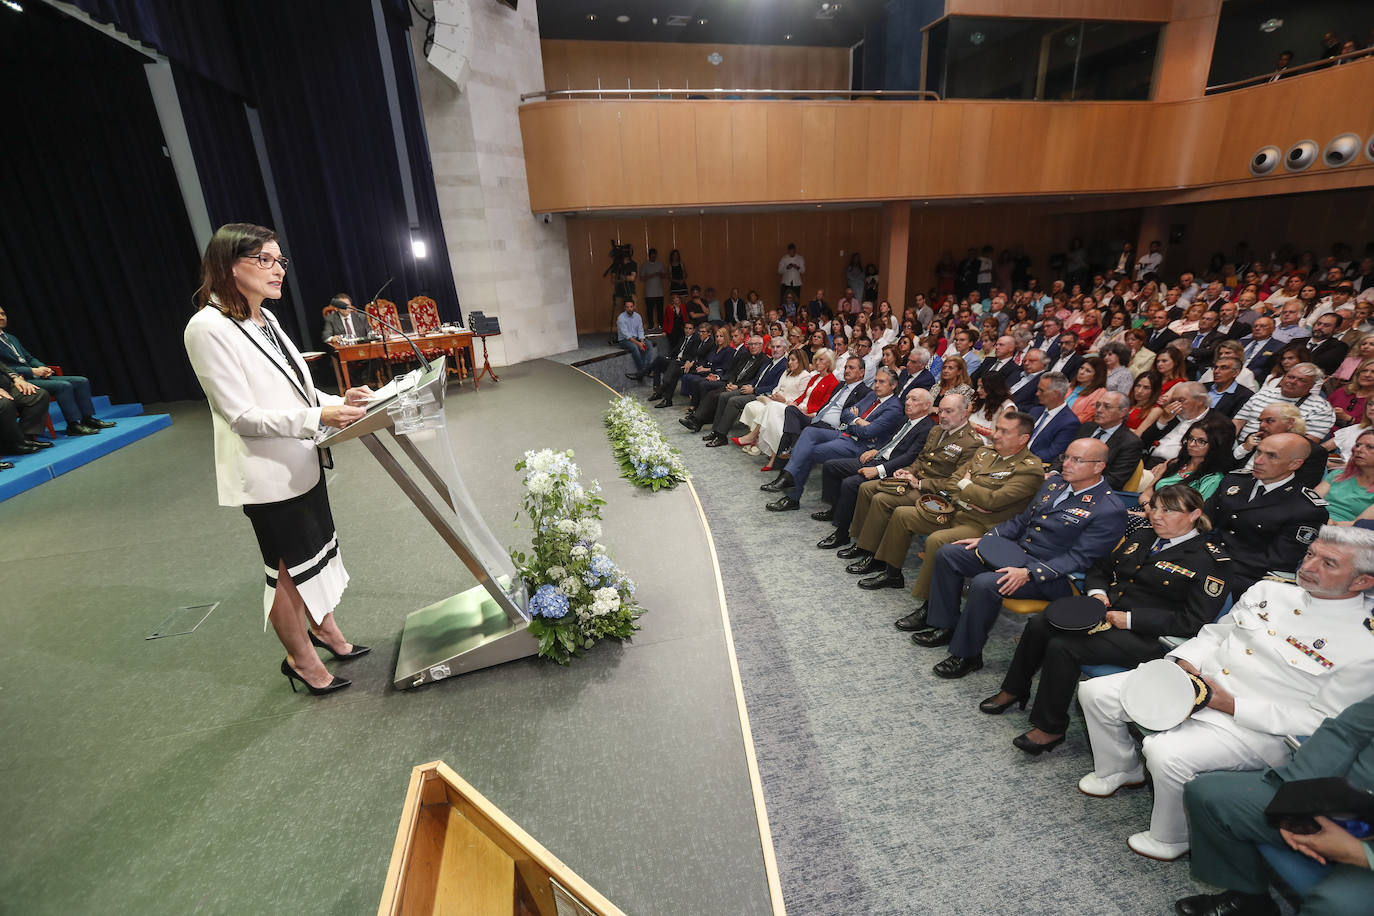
[[321, 593]]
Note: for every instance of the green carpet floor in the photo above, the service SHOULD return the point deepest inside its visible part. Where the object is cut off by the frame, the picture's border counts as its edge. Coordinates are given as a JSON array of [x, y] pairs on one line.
[[181, 775]]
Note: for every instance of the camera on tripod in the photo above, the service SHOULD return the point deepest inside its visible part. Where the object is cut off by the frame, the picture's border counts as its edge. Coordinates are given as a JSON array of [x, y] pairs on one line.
[[620, 251]]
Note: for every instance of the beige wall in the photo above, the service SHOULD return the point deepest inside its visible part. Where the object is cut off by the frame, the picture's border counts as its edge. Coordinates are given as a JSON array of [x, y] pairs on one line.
[[619, 154], [672, 65]]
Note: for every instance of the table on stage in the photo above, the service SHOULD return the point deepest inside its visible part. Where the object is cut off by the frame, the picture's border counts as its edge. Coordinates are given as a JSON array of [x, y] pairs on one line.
[[374, 349]]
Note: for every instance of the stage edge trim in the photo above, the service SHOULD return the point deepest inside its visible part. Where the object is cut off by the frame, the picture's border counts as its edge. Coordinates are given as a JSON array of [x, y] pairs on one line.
[[770, 862]]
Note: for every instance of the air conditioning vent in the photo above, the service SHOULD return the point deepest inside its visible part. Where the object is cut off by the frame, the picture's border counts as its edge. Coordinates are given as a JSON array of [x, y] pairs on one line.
[[678, 21]]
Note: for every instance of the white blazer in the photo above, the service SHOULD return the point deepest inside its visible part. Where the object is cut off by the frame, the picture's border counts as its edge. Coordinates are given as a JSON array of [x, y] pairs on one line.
[[265, 421]]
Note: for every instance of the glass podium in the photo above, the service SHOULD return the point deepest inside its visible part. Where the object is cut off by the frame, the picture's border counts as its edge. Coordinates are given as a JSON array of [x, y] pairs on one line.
[[488, 624]]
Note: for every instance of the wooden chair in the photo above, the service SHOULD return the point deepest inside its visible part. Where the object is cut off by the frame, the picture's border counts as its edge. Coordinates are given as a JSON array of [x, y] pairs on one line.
[[424, 315], [381, 310]]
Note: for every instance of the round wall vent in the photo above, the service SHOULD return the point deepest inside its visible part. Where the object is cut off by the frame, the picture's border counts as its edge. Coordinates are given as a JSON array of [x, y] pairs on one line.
[[1265, 160]]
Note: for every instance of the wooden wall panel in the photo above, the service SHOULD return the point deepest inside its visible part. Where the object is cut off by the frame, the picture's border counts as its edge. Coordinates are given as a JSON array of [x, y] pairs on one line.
[[643, 174], [715, 156], [677, 156], [818, 152], [613, 65], [555, 171], [781, 129]]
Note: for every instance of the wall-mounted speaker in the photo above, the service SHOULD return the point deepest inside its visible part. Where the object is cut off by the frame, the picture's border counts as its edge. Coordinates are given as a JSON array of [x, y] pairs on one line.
[[1265, 161], [1341, 150], [1300, 155], [1369, 149]]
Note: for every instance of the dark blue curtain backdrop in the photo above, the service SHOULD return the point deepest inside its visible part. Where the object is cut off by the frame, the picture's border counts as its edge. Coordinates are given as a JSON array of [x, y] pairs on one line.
[[312, 70], [97, 259]]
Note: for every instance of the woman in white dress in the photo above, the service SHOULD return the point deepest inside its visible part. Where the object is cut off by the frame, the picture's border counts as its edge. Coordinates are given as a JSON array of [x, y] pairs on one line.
[[793, 382]]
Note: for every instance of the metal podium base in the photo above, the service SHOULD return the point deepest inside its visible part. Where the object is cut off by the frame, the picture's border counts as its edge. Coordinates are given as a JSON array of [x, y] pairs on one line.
[[459, 634]]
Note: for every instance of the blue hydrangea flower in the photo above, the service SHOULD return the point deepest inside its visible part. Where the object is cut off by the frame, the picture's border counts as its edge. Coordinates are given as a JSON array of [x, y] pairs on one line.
[[602, 566], [659, 472], [549, 602]]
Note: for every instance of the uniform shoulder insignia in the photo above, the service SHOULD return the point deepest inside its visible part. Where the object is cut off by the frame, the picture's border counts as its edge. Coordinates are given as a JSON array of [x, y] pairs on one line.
[[1217, 553], [1033, 461], [1314, 496]]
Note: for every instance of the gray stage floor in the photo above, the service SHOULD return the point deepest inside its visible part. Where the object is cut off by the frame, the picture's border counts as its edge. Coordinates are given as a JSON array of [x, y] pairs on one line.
[[182, 775]]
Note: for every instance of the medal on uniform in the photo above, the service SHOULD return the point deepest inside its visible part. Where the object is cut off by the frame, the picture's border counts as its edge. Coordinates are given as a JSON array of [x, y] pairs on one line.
[[1232, 491], [1318, 643]]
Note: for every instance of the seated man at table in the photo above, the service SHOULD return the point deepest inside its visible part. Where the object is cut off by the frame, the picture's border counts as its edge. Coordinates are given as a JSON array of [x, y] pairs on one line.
[[342, 325], [73, 392]]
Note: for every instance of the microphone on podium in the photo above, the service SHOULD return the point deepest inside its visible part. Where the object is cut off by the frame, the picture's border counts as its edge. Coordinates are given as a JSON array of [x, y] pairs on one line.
[[384, 323]]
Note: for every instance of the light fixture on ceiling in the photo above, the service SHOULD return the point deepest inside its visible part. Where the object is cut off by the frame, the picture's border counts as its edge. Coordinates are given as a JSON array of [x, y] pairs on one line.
[[701, 21], [622, 18], [787, 38], [14, 5], [977, 38], [418, 248], [714, 58], [1271, 25], [653, 21], [591, 17]]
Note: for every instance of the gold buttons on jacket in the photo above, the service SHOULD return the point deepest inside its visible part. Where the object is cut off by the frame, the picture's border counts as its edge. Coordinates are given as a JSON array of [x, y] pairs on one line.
[[1273, 632], [1225, 670], [1249, 651], [1298, 612]]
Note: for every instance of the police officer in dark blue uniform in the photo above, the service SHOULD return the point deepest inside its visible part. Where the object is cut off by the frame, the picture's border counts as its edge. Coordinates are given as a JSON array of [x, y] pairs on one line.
[[1072, 521]]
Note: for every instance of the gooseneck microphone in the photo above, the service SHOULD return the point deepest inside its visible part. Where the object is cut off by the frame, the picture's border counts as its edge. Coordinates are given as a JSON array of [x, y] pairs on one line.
[[384, 323]]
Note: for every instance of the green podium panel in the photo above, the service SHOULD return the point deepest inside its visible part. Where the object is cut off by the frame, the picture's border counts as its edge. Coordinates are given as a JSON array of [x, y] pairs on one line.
[[457, 635]]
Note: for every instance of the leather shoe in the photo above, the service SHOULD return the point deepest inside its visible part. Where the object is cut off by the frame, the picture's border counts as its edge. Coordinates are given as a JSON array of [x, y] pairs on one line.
[[916, 620], [40, 443], [76, 429], [1227, 903], [956, 667], [1034, 748], [994, 708], [852, 551], [716, 441], [783, 504], [691, 424], [888, 578], [24, 448], [833, 540], [865, 564], [931, 637], [1142, 844], [782, 482], [96, 423], [824, 515], [666, 402], [1106, 786], [6, 466]]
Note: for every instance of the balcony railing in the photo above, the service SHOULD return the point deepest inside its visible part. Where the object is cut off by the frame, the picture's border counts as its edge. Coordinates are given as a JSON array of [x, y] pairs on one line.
[[1299, 70], [796, 95]]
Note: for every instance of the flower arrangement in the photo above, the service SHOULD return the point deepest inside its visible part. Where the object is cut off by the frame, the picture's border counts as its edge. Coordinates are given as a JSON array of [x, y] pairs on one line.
[[577, 593], [646, 459]]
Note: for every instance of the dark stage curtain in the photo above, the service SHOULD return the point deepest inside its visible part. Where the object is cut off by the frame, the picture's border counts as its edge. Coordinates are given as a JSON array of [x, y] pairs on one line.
[[97, 258]]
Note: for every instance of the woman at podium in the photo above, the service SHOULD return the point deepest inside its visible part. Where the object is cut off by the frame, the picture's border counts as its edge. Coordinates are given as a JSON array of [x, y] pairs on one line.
[[266, 414]]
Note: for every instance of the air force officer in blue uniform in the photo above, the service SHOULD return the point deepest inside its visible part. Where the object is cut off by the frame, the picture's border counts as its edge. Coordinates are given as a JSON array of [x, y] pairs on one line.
[[1072, 521]]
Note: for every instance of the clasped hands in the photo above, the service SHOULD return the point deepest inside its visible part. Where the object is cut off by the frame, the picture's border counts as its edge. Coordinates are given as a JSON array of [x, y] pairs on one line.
[[1012, 578], [1333, 843]]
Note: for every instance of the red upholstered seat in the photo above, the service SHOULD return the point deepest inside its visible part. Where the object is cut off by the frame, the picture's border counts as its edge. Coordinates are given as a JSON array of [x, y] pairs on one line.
[[424, 315]]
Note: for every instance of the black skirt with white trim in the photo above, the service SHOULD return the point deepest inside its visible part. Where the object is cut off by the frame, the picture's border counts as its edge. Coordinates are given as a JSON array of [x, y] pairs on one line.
[[299, 532]]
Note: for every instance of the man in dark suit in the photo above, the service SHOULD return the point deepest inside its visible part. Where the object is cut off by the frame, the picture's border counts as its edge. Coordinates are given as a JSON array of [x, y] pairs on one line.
[[1047, 338], [1024, 389], [1002, 361], [1229, 322], [871, 421], [1225, 393], [1202, 346], [848, 393], [728, 349], [1055, 425], [1124, 447], [1265, 520], [735, 309], [743, 371], [917, 373], [728, 408], [72, 392], [842, 477], [1160, 335], [685, 352], [1326, 350], [1260, 346], [1070, 523], [1068, 360], [818, 306]]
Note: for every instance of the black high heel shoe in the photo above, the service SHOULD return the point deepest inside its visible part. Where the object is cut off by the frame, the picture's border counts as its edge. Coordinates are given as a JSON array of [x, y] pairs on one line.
[[993, 708], [1021, 742], [357, 649], [338, 683]]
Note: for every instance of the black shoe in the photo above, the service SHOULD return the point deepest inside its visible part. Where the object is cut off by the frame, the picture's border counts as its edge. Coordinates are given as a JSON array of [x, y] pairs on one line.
[[76, 429], [956, 667], [888, 578], [783, 504], [634, 375], [824, 515], [666, 402], [852, 551], [833, 540], [865, 564], [654, 395], [40, 443], [96, 423], [1035, 749], [357, 649], [931, 637], [716, 440], [993, 708], [23, 448], [6, 466], [1227, 903], [782, 482], [336, 683], [916, 620], [691, 424]]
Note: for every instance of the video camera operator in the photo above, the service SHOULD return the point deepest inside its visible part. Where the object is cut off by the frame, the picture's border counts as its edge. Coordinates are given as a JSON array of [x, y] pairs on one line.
[[623, 272]]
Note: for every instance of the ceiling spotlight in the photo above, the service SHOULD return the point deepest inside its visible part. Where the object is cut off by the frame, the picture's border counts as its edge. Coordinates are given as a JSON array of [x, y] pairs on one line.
[[418, 248], [1271, 25], [787, 38], [622, 18], [653, 21], [14, 5], [591, 17], [701, 21]]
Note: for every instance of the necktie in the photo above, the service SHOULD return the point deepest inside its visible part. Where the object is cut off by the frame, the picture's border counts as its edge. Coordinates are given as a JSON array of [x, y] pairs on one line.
[[1063, 495], [1258, 490], [1102, 434], [1158, 546], [892, 443], [1039, 425], [1197, 341], [864, 415]]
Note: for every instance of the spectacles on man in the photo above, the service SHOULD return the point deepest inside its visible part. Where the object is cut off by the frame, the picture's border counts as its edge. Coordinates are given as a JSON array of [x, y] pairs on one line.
[[265, 261], [1077, 460]]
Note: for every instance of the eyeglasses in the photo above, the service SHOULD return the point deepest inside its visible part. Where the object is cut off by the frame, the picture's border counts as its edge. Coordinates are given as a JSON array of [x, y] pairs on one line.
[[1076, 460], [265, 261], [1194, 440]]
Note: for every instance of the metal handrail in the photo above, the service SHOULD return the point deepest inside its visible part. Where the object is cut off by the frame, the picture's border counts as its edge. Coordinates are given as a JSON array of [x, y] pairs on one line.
[[810, 94], [1300, 69]]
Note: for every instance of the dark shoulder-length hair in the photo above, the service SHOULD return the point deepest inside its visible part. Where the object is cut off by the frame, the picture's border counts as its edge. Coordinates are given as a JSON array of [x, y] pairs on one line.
[[229, 243], [1221, 438]]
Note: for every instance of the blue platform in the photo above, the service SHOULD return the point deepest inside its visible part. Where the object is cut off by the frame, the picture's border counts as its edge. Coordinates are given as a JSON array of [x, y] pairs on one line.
[[70, 453]]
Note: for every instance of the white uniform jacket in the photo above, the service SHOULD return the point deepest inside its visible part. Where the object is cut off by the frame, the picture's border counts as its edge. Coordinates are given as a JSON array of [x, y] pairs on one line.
[[1290, 660], [265, 420]]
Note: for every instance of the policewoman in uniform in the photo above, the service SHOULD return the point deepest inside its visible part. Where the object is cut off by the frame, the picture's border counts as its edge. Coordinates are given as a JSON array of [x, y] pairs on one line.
[[1165, 580], [1070, 523]]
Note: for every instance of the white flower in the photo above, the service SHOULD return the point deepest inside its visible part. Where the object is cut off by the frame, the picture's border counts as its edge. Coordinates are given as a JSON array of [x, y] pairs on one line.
[[539, 483], [570, 586], [568, 526], [579, 551], [557, 572], [588, 529]]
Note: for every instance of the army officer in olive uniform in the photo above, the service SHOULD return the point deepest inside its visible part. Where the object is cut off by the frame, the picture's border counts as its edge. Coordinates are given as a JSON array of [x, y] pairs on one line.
[[945, 450], [991, 487], [1165, 580]]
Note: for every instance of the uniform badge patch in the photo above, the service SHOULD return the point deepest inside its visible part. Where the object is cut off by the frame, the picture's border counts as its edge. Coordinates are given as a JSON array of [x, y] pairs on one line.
[[1307, 534], [1175, 568], [1087, 499], [1130, 549], [1214, 586], [1232, 491]]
